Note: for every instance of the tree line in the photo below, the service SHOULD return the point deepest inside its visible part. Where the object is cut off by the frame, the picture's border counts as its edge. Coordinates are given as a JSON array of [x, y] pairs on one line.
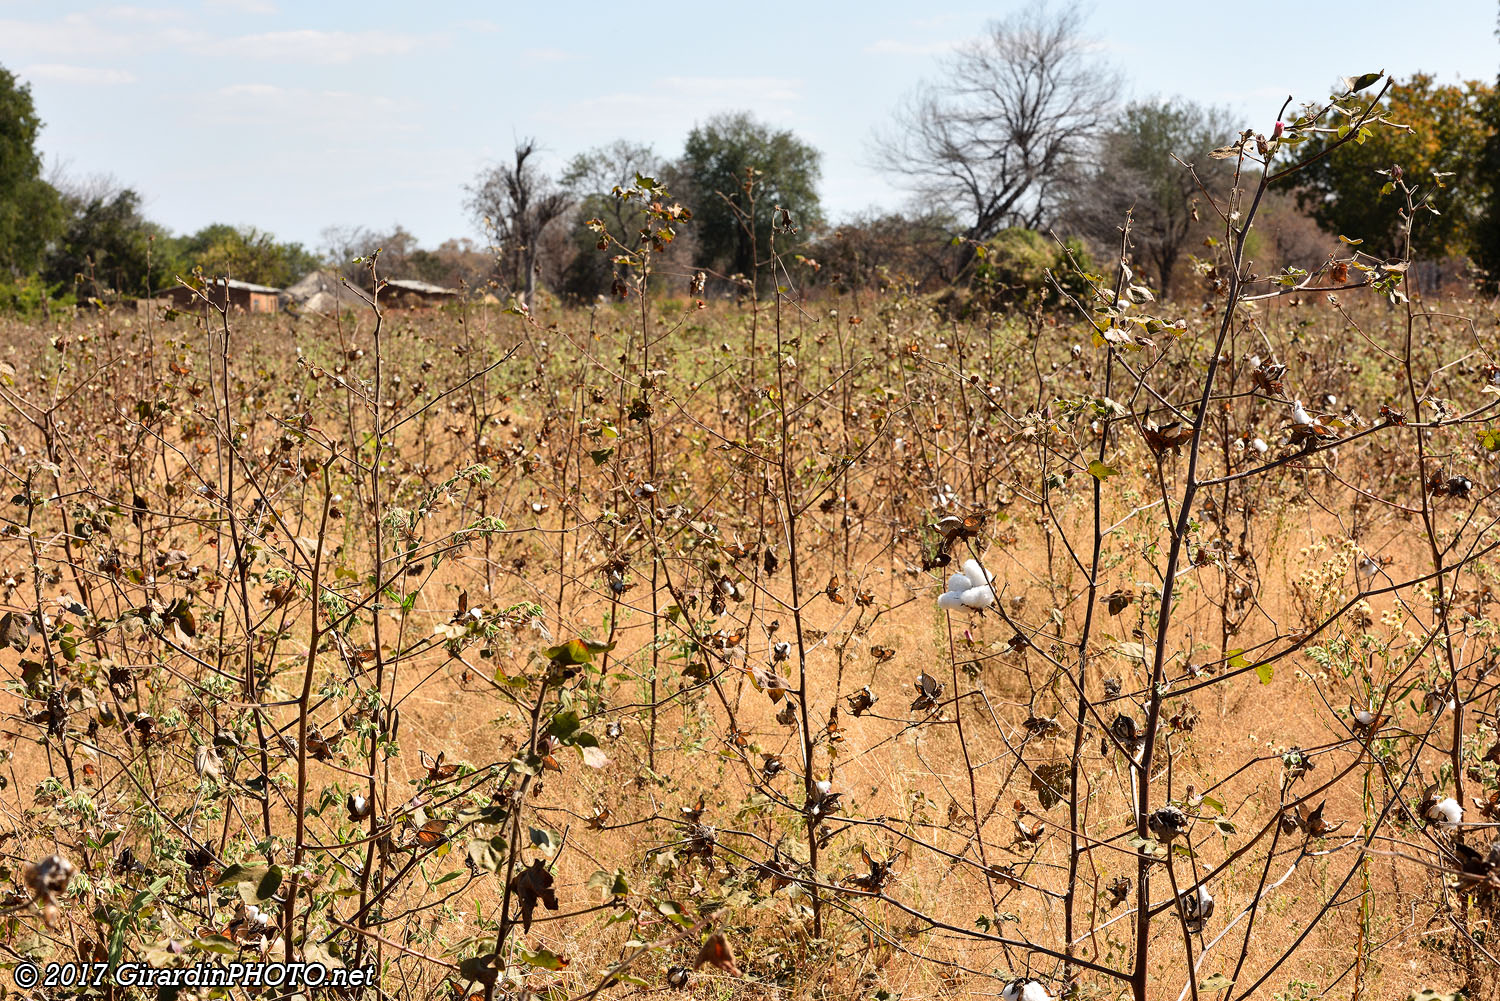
[[1016, 155]]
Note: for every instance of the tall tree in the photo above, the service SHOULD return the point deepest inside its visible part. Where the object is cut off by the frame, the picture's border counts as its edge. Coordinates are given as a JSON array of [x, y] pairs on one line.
[[106, 245], [516, 202], [1440, 152], [591, 178], [1486, 248], [1135, 169], [30, 209], [735, 172], [245, 253], [995, 140]]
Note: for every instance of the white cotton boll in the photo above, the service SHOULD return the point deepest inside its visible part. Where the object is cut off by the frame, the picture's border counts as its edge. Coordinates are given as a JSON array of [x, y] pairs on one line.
[[950, 600], [1259, 444], [1368, 567], [979, 597], [1300, 414], [824, 787], [1255, 361], [1446, 812], [1024, 990], [977, 574], [959, 582]]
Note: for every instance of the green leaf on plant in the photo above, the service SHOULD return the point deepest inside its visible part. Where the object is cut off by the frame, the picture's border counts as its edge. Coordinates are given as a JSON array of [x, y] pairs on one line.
[[542, 959], [613, 883], [488, 856], [574, 651], [1100, 471]]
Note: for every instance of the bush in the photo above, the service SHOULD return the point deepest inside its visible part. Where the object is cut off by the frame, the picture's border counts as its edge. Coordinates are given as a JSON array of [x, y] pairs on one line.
[[1012, 267], [28, 297]]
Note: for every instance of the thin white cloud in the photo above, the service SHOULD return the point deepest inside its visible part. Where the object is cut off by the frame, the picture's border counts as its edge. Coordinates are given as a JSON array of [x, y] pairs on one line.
[[241, 6], [74, 35], [717, 88], [545, 55], [140, 15], [332, 115], [83, 75], [893, 47], [936, 21], [330, 47], [673, 103]]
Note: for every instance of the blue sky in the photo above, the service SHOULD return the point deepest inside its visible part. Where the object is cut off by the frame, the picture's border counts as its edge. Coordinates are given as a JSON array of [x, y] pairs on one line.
[[294, 115]]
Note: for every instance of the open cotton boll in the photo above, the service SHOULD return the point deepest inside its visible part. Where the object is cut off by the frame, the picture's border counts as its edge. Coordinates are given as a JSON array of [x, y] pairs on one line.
[[1446, 812], [977, 574], [978, 597], [1024, 990], [969, 588], [1259, 444], [1300, 414]]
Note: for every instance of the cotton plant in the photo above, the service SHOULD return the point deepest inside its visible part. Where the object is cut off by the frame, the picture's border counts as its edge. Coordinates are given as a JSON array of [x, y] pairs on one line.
[[971, 587]]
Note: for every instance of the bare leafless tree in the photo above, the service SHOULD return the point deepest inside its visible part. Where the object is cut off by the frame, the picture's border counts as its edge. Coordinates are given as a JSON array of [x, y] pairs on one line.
[[994, 139], [516, 202]]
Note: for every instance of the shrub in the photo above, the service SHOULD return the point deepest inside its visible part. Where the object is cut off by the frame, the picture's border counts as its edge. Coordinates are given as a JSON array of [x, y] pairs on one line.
[[27, 297]]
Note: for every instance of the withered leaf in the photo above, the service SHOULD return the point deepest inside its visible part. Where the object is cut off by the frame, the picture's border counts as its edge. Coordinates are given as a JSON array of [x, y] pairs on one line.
[[717, 952], [531, 885]]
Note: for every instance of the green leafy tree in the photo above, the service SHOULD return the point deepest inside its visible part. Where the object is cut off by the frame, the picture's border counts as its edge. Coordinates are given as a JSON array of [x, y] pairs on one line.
[[245, 253], [1440, 150], [735, 172], [31, 211], [592, 177], [1136, 170], [106, 246], [1487, 226]]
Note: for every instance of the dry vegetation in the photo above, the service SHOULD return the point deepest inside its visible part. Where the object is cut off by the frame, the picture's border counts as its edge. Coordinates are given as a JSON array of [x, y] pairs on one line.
[[599, 653]]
